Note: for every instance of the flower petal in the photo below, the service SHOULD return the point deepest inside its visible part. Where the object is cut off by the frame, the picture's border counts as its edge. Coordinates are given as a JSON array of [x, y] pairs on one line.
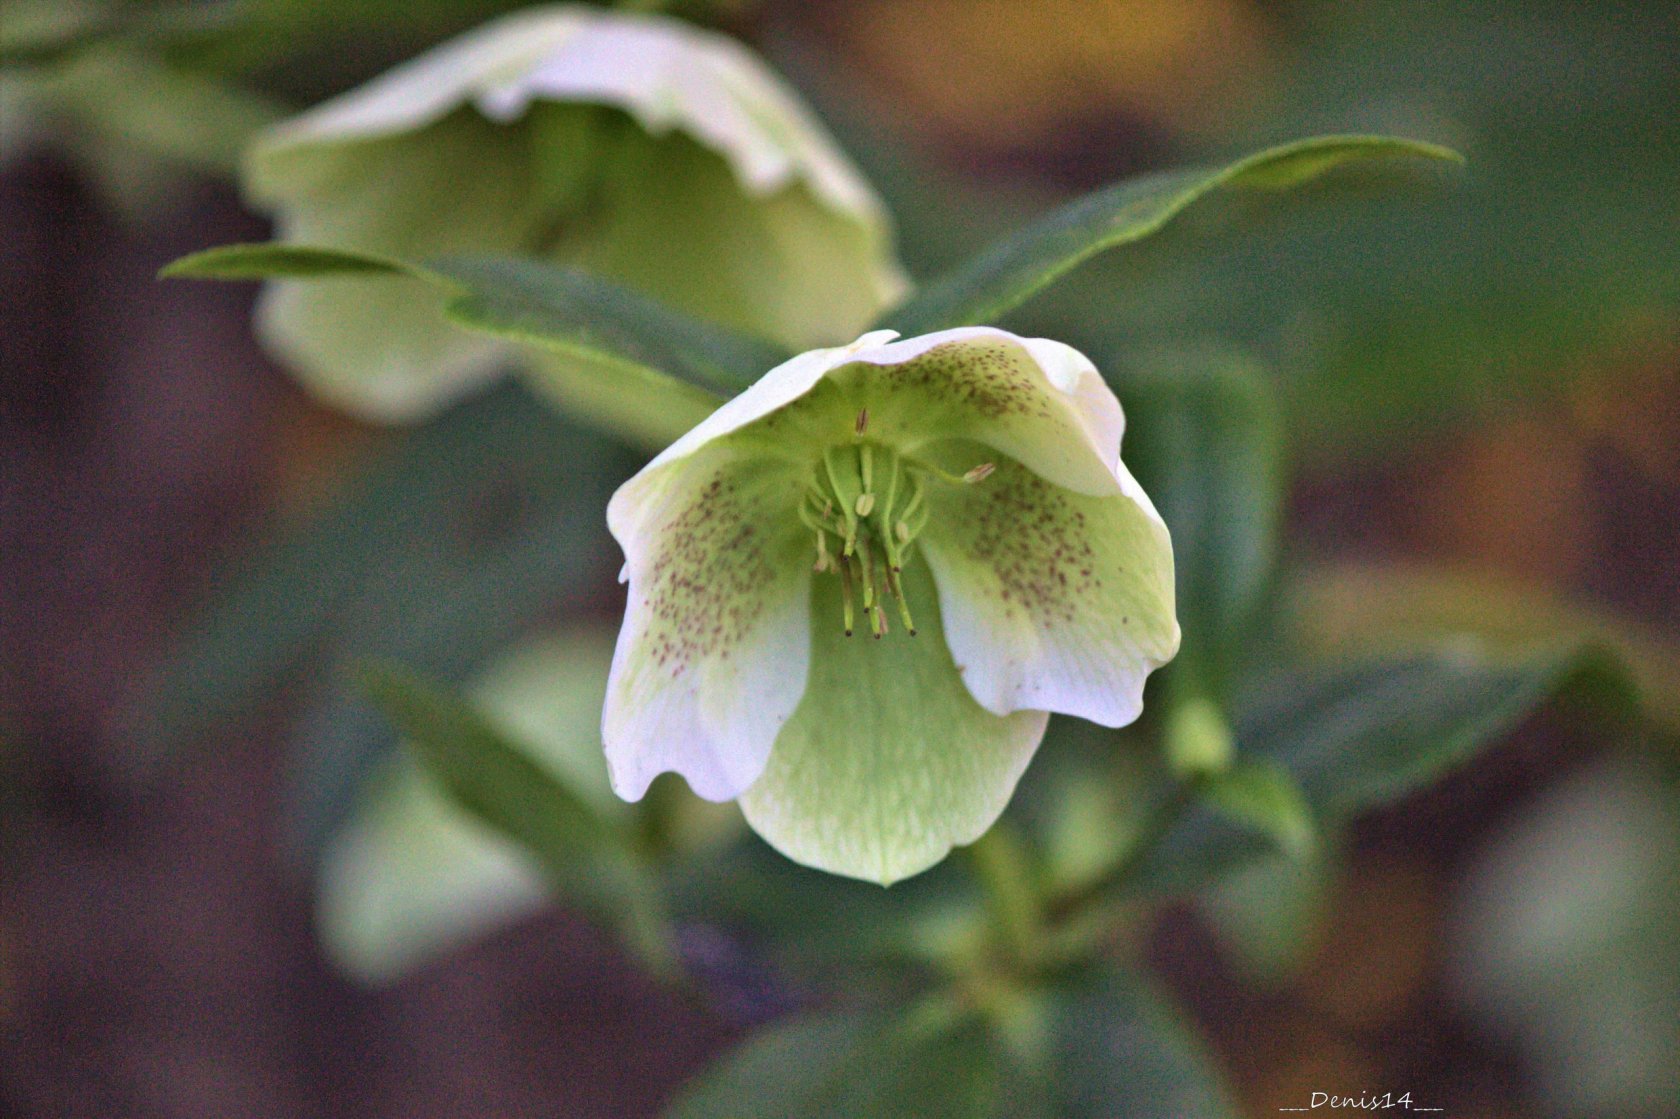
[[380, 346], [711, 660], [1053, 600], [1035, 400], [888, 762]]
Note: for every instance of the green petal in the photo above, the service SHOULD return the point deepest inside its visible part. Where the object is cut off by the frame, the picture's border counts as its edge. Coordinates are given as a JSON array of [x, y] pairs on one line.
[[888, 762], [380, 347], [677, 224], [1053, 600], [1032, 399], [711, 660]]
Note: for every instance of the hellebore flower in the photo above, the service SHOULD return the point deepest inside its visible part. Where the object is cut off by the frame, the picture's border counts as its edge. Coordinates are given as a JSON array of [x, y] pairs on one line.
[[635, 146], [857, 590]]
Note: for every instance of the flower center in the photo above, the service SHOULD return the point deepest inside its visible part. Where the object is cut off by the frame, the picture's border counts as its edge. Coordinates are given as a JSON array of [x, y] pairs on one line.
[[865, 505]]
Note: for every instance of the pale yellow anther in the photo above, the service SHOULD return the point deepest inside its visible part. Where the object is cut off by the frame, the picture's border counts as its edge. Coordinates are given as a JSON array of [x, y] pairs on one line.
[[979, 473], [864, 505]]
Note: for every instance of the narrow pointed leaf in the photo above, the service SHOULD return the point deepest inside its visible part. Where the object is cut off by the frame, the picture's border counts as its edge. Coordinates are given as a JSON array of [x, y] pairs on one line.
[[275, 261], [1204, 439], [1355, 737], [1016, 268], [578, 313], [296, 588], [584, 854]]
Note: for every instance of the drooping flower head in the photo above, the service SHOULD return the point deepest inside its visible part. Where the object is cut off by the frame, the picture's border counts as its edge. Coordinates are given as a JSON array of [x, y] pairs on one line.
[[857, 590], [637, 146]]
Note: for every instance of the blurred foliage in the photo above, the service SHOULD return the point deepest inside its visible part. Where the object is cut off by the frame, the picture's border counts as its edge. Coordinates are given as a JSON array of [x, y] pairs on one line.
[[1333, 324], [1567, 940]]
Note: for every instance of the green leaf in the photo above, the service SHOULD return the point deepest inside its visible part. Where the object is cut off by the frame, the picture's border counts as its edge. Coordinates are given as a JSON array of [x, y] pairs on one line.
[[611, 355], [926, 1062], [1265, 797], [1204, 439], [1121, 1050], [1013, 270], [275, 261], [582, 852], [577, 313], [411, 875], [302, 585], [1357, 736], [1362, 735]]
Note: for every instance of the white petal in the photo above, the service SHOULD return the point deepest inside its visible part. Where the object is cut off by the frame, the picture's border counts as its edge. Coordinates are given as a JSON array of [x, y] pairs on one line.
[[1053, 600], [1034, 400], [711, 660]]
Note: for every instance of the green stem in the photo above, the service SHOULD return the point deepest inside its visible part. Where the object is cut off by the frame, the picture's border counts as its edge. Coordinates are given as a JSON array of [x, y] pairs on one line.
[[1000, 862], [1088, 912]]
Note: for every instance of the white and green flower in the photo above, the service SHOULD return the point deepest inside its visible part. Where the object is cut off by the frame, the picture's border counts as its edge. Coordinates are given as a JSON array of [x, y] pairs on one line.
[[657, 154], [957, 497]]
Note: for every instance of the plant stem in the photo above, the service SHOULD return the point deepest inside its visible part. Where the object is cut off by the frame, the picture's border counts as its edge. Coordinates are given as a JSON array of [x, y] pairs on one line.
[[1083, 914], [1000, 862]]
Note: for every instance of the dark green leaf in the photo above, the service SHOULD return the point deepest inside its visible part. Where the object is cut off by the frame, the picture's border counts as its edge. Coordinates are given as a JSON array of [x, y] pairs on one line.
[[1013, 270], [609, 329], [267, 609], [584, 854], [1366, 734], [1265, 797], [1120, 1050], [574, 312], [273, 261], [1357, 736], [493, 780], [882, 1065], [1203, 437]]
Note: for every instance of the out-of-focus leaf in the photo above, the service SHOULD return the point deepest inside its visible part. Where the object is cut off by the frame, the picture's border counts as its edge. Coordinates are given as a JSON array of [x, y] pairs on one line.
[[575, 312], [1118, 1049], [1357, 736], [121, 95], [585, 854], [927, 1062], [812, 922], [494, 781], [412, 875], [274, 261], [295, 589], [1013, 270], [1203, 437], [1337, 611], [1265, 797], [1547, 266], [678, 367], [1566, 940]]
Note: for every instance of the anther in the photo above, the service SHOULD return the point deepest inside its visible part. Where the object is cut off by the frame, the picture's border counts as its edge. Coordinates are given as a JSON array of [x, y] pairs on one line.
[[862, 421], [902, 531], [980, 473], [864, 504]]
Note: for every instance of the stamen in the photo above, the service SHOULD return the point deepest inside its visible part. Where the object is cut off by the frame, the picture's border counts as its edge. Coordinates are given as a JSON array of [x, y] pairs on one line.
[[980, 473], [824, 562], [846, 595], [878, 622], [864, 503], [862, 420], [866, 460], [903, 603], [867, 557], [846, 508]]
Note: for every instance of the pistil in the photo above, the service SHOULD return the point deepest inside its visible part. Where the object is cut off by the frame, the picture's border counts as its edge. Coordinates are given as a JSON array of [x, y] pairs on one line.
[[870, 498]]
